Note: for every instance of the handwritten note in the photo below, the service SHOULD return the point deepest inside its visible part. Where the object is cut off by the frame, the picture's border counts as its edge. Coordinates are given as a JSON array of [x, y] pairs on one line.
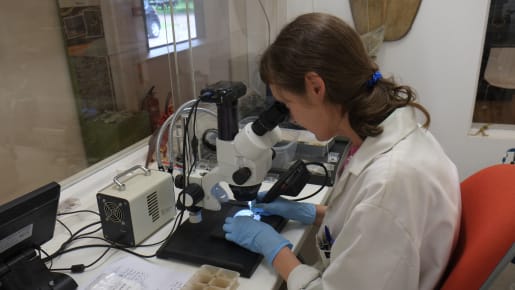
[[133, 273]]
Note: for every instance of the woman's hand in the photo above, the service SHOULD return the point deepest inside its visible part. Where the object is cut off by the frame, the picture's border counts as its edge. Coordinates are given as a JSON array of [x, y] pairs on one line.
[[255, 236], [293, 210]]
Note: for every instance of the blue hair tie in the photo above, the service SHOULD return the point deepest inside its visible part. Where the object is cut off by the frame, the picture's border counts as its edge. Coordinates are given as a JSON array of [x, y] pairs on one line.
[[373, 80]]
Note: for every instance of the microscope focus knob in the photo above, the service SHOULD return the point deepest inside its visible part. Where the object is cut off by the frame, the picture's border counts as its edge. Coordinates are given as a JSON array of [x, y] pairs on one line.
[[193, 193], [241, 175], [179, 181]]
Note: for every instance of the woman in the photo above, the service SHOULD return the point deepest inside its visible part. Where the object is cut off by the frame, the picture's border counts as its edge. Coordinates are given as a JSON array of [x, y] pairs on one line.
[[393, 213]]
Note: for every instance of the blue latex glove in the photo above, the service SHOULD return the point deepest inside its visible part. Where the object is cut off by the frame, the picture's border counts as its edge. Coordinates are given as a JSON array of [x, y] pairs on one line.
[[255, 236], [293, 210]]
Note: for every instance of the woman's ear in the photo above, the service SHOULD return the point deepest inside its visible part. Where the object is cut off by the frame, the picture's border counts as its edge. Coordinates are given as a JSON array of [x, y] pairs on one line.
[[315, 86]]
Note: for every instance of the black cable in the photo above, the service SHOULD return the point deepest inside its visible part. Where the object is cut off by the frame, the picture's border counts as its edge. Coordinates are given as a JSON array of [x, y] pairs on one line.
[[46, 254], [73, 236], [185, 145], [74, 212], [86, 227], [188, 171], [89, 233], [67, 228], [79, 268], [76, 236], [326, 181], [187, 155], [80, 234], [113, 246], [179, 217], [98, 259], [68, 241], [194, 140], [116, 244], [99, 238], [78, 211]]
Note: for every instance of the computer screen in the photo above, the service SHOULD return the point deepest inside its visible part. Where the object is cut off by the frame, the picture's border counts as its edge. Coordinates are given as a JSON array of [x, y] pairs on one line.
[[28, 221]]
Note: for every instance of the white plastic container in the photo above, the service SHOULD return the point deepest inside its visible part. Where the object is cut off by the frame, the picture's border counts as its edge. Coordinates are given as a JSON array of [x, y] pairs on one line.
[[213, 278], [284, 153]]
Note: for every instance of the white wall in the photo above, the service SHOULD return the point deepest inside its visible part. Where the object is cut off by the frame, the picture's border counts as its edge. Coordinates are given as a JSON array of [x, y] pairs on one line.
[[440, 59]]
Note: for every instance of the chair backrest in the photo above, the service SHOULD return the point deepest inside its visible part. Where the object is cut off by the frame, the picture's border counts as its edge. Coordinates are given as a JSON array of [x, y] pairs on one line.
[[487, 227]]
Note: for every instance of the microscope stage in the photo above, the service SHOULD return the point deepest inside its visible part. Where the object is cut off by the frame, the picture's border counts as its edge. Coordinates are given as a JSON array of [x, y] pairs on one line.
[[204, 242]]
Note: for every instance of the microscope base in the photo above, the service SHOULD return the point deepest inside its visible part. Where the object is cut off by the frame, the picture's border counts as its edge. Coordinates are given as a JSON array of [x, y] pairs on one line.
[[204, 242]]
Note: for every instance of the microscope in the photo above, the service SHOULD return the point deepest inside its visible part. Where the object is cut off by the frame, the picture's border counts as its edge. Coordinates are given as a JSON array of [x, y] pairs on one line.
[[243, 156]]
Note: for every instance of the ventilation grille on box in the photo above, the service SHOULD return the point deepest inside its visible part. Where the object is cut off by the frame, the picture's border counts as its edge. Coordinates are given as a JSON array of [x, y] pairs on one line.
[[113, 212], [153, 206]]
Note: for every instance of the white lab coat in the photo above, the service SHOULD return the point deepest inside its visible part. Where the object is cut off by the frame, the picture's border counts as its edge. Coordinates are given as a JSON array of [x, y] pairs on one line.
[[393, 214]]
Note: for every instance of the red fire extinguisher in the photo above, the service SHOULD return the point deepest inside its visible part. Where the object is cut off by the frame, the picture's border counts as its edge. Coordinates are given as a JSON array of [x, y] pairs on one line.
[[151, 105]]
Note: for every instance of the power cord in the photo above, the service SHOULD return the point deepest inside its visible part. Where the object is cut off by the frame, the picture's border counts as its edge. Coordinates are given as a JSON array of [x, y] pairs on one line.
[[79, 268], [78, 211], [63, 249], [73, 236], [186, 158], [324, 184], [80, 234]]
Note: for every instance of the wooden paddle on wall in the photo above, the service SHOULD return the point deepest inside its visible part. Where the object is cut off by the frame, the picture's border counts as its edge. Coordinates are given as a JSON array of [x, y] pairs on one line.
[[397, 16]]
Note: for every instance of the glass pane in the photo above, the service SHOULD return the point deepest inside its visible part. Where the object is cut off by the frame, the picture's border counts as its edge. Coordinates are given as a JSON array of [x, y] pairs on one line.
[[496, 87], [76, 87], [79, 82], [160, 29], [105, 54]]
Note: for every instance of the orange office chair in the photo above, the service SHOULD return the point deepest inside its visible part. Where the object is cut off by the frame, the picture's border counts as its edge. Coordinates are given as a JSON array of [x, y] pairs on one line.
[[487, 227]]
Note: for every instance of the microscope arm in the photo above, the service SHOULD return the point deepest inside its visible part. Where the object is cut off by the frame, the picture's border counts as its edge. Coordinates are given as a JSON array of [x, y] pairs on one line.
[[244, 156], [242, 163]]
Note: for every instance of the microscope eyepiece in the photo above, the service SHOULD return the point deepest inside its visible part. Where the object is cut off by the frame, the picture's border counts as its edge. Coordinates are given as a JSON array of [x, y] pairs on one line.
[[270, 118]]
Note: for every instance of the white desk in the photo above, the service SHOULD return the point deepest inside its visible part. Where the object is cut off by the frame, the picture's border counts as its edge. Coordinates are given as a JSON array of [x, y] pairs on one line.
[[263, 278]]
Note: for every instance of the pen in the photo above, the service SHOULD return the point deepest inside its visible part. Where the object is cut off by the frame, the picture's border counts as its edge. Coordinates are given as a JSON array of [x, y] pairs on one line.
[[328, 237]]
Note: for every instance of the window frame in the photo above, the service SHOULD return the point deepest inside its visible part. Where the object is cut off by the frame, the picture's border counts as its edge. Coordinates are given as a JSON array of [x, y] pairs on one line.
[[491, 104], [183, 45]]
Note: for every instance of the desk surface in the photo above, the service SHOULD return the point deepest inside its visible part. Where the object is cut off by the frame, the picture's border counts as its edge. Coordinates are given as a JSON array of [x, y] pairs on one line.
[[264, 277]]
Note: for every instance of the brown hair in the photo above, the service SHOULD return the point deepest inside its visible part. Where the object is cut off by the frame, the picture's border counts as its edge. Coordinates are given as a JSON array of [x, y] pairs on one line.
[[322, 43]]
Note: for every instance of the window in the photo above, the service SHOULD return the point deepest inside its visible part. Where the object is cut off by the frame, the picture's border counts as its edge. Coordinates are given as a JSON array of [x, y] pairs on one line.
[[495, 102], [78, 86], [162, 28]]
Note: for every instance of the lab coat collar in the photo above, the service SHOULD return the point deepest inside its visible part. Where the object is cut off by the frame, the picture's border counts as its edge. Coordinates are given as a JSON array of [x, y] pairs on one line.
[[396, 127]]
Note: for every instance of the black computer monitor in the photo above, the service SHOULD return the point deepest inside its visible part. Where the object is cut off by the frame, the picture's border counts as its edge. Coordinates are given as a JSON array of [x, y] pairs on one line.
[[25, 224]]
